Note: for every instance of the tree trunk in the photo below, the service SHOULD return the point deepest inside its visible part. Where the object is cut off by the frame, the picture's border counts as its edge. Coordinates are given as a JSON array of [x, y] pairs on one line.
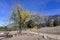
[[20, 30]]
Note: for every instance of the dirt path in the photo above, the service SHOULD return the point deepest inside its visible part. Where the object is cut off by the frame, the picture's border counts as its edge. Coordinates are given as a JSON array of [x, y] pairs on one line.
[[49, 35]]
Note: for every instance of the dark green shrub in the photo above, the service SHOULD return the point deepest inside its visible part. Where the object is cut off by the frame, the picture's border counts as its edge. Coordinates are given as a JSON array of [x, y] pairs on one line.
[[30, 24], [55, 23]]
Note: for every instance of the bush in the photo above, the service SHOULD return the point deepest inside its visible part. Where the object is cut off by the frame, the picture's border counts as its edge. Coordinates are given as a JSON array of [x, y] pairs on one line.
[[30, 24], [55, 23]]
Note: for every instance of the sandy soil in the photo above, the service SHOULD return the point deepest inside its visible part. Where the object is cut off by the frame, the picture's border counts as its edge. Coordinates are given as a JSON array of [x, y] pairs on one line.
[[28, 36], [51, 30]]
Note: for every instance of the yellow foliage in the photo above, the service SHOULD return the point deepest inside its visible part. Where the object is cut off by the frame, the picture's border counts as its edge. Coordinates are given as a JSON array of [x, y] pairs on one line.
[[24, 15]]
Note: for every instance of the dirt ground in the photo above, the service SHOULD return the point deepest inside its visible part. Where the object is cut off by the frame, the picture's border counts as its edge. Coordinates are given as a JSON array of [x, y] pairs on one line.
[[28, 36], [51, 30]]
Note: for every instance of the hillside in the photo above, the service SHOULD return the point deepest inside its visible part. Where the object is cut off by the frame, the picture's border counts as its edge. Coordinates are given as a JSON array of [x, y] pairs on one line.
[[12, 25], [51, 30]]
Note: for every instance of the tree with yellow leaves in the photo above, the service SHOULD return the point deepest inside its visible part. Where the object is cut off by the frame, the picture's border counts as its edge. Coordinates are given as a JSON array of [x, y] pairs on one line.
[[19, 16]]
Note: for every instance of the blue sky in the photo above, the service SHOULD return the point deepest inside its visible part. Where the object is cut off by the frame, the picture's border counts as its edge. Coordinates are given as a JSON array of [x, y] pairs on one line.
[[47, 7]]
